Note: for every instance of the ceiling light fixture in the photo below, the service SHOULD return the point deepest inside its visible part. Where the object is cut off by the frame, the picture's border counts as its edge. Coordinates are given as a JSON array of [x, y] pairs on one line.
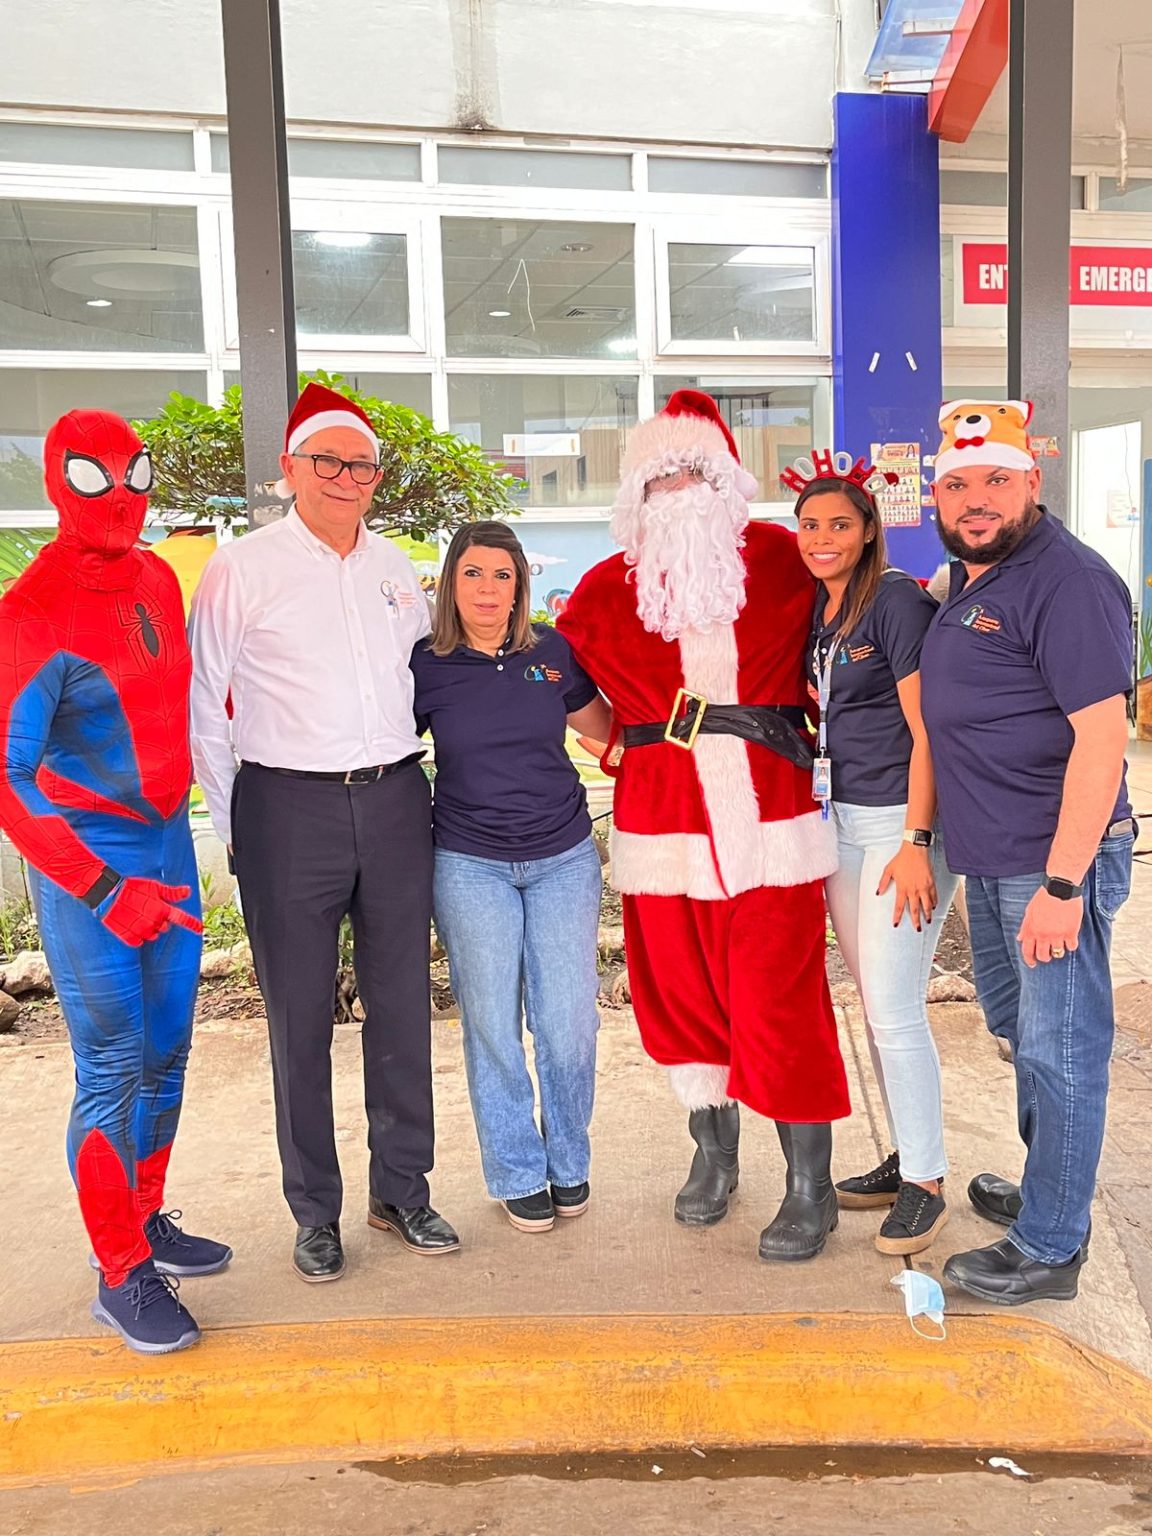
[[98, 303], [576, 245], [499, 314], [343, 239]]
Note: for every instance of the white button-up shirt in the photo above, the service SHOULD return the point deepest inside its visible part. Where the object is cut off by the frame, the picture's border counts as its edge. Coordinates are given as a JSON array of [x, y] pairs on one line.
[[313, 650]]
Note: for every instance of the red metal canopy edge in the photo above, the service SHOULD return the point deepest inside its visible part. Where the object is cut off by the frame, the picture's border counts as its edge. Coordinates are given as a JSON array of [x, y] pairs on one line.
[[973, 62]]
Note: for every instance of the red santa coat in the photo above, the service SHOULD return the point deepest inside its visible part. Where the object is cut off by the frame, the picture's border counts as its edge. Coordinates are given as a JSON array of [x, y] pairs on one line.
[[720, 852], [729, 815]]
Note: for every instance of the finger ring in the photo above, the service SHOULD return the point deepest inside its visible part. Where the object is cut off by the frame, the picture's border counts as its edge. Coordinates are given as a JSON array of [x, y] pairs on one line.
[[1058, 954]]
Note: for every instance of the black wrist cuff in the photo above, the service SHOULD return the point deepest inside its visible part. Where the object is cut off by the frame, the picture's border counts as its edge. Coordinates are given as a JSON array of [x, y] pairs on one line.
[[101, 888]]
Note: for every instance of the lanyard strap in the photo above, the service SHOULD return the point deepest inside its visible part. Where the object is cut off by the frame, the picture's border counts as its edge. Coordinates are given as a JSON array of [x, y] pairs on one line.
[[823, 695]]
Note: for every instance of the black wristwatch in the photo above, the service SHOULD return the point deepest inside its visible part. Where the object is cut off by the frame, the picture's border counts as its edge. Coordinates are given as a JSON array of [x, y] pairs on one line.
[[1063, 890], [919, 837]]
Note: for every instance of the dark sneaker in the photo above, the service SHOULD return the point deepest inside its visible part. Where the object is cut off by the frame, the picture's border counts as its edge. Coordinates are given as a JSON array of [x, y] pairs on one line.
[[880, 1187], [146, 1312], [178, 1253], [535, 1213], [995, 1199], [913, 1222], [571, 1200]]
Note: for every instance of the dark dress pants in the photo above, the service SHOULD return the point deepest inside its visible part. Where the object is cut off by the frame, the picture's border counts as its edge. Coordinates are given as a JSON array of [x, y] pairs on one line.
[[307, 852]]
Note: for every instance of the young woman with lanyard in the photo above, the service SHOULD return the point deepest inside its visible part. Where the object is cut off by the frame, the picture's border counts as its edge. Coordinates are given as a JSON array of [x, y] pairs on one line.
[[874, 778], [517, 884]]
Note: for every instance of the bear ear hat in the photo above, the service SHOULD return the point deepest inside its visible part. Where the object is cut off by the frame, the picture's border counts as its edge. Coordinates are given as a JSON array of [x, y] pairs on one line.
[[950, 406]]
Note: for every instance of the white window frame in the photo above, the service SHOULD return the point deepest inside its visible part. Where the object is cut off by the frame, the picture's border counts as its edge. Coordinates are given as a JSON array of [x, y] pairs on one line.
[[368, 216], [787, 232]]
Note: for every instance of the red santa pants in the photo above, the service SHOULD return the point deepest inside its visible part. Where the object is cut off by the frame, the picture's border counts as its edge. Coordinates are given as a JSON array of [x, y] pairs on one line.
[[741, 983]]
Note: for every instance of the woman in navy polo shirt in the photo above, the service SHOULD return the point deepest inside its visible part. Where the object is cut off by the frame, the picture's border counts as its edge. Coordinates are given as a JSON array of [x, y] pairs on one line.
[[517, 879], [863, 665]]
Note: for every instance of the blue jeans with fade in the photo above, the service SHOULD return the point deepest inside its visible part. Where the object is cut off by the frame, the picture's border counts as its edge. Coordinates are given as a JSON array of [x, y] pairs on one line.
[[1058, 1019], [521, 942], [891, 966]]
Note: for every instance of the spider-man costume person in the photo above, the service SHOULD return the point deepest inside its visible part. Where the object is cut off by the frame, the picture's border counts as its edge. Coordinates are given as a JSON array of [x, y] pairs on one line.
[[94, 780]]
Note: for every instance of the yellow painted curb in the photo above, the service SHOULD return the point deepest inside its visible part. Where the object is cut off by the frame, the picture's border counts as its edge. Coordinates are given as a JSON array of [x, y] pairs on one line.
[[73, 1408]]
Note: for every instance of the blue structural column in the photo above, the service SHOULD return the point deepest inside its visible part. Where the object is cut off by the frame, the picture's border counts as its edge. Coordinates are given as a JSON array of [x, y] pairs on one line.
[[886, 296]]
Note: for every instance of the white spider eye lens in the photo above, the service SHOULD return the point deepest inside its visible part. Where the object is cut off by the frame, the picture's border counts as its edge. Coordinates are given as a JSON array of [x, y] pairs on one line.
[[87, 477], [140, 476]]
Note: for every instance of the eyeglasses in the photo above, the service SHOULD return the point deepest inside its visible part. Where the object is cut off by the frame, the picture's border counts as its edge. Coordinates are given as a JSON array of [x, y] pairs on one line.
[[328, 467]]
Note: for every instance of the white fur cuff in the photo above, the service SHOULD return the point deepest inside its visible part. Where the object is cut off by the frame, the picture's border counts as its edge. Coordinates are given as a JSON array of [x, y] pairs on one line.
[[698, 1086]]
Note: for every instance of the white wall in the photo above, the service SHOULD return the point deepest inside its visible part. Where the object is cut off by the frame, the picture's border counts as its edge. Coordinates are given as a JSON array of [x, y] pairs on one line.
[[756, 72]]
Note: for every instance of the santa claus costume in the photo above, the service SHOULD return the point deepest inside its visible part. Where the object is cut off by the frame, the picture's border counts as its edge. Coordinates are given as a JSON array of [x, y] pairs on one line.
[[695, 634]]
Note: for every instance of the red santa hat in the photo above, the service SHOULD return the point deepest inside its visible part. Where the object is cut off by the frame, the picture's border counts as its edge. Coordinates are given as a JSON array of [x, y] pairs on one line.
[[689, 433], [317, 408]]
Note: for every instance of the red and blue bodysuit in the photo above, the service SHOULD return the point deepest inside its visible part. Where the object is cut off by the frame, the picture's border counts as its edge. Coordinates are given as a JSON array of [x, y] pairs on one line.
[[94, 780]]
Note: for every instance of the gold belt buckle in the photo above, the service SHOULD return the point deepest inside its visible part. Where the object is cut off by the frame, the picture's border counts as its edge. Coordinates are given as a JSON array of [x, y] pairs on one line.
[[685, 696]]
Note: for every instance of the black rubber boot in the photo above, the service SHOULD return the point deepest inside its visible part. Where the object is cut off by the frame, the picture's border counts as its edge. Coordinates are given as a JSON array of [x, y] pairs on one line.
[[715, 1170], [809, 1210]]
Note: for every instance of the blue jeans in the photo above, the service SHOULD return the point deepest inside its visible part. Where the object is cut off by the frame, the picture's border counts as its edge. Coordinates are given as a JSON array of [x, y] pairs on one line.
[[1059, 1021], [891, 967], [521, 942]]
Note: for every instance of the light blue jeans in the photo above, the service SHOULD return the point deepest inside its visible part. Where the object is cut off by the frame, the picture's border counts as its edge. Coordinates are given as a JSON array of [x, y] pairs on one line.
[[891, 967], [521, 942]]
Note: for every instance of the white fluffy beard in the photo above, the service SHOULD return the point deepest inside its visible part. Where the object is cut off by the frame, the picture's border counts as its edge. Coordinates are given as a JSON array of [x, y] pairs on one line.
[[685, 546]]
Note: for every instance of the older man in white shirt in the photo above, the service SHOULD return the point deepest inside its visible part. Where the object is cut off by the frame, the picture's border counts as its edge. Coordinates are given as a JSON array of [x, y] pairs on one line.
[[315, 784]]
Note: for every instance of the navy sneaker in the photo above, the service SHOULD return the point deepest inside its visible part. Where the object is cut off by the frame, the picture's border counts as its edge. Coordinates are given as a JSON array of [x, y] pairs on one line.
[[178, 1253], [146, 1312]]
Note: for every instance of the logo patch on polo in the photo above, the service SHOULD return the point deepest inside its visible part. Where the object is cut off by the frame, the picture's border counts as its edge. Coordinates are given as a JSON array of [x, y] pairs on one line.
[[397, 597], [534, 672], [850, 653], [979, 619]]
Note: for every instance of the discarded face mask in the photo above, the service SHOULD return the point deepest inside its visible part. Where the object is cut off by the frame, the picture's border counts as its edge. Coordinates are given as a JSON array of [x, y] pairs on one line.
[[922, 1298]]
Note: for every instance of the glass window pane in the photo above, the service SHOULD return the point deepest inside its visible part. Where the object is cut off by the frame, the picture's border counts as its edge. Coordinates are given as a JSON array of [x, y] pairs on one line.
[[31, 399], [736, 178], [536, 288], [1136, 199], [99, 277], [350, 283], [989, 189], [57, 144], [563, 436], [736, 293], [346, 159], [774, 424], [534, 168]]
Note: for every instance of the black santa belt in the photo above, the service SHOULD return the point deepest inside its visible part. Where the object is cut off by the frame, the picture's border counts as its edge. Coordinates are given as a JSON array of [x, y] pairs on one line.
[[779, 727]]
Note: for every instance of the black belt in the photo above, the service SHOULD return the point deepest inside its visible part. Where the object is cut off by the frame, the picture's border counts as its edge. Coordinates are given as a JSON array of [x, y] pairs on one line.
[[353, 776], [779, 727]]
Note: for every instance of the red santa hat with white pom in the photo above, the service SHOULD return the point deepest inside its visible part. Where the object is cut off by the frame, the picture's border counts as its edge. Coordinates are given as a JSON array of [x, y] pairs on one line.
[[319, 407], [689, 433]]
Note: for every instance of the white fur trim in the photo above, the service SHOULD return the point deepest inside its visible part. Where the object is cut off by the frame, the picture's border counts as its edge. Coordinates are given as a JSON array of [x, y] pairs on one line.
[[990, 455], [324, 419], [779, 853], [698, 1086], [284, 490]]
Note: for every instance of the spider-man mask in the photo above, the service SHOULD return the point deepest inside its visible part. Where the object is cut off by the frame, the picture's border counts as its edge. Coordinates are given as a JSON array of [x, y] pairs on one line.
[[98, 475]]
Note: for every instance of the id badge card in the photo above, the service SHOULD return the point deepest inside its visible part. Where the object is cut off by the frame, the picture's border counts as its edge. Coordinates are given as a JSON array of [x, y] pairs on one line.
[[822, 783]]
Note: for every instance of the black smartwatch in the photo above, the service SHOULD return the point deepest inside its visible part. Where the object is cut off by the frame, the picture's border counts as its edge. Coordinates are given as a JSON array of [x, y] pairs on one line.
[[1063, 890], [919, 837]]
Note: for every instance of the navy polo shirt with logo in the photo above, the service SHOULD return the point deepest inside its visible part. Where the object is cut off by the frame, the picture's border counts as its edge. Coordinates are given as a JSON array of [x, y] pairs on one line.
[[1037, 637], [868, 737], [505, 786]]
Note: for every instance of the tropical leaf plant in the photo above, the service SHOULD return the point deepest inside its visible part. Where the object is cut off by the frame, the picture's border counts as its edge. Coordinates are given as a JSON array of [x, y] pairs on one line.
[[432, 480]]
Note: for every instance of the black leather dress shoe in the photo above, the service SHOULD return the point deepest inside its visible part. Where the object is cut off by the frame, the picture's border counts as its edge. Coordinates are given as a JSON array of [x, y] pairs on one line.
[[318, 1254], [418, 1227], [995, 1199], [1003, 1275]]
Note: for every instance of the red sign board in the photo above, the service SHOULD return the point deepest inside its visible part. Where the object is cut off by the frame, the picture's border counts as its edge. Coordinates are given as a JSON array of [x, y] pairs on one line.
[[1111, 275]]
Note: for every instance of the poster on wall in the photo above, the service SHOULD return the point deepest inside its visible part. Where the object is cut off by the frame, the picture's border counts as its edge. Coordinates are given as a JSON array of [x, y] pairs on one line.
[[900, 504], [558, 555]]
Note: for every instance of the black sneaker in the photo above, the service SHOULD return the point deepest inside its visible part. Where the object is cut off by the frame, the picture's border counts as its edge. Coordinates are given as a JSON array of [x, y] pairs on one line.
[[571, 1200], [913, 1222], [535, 1213], [880, 1187]]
